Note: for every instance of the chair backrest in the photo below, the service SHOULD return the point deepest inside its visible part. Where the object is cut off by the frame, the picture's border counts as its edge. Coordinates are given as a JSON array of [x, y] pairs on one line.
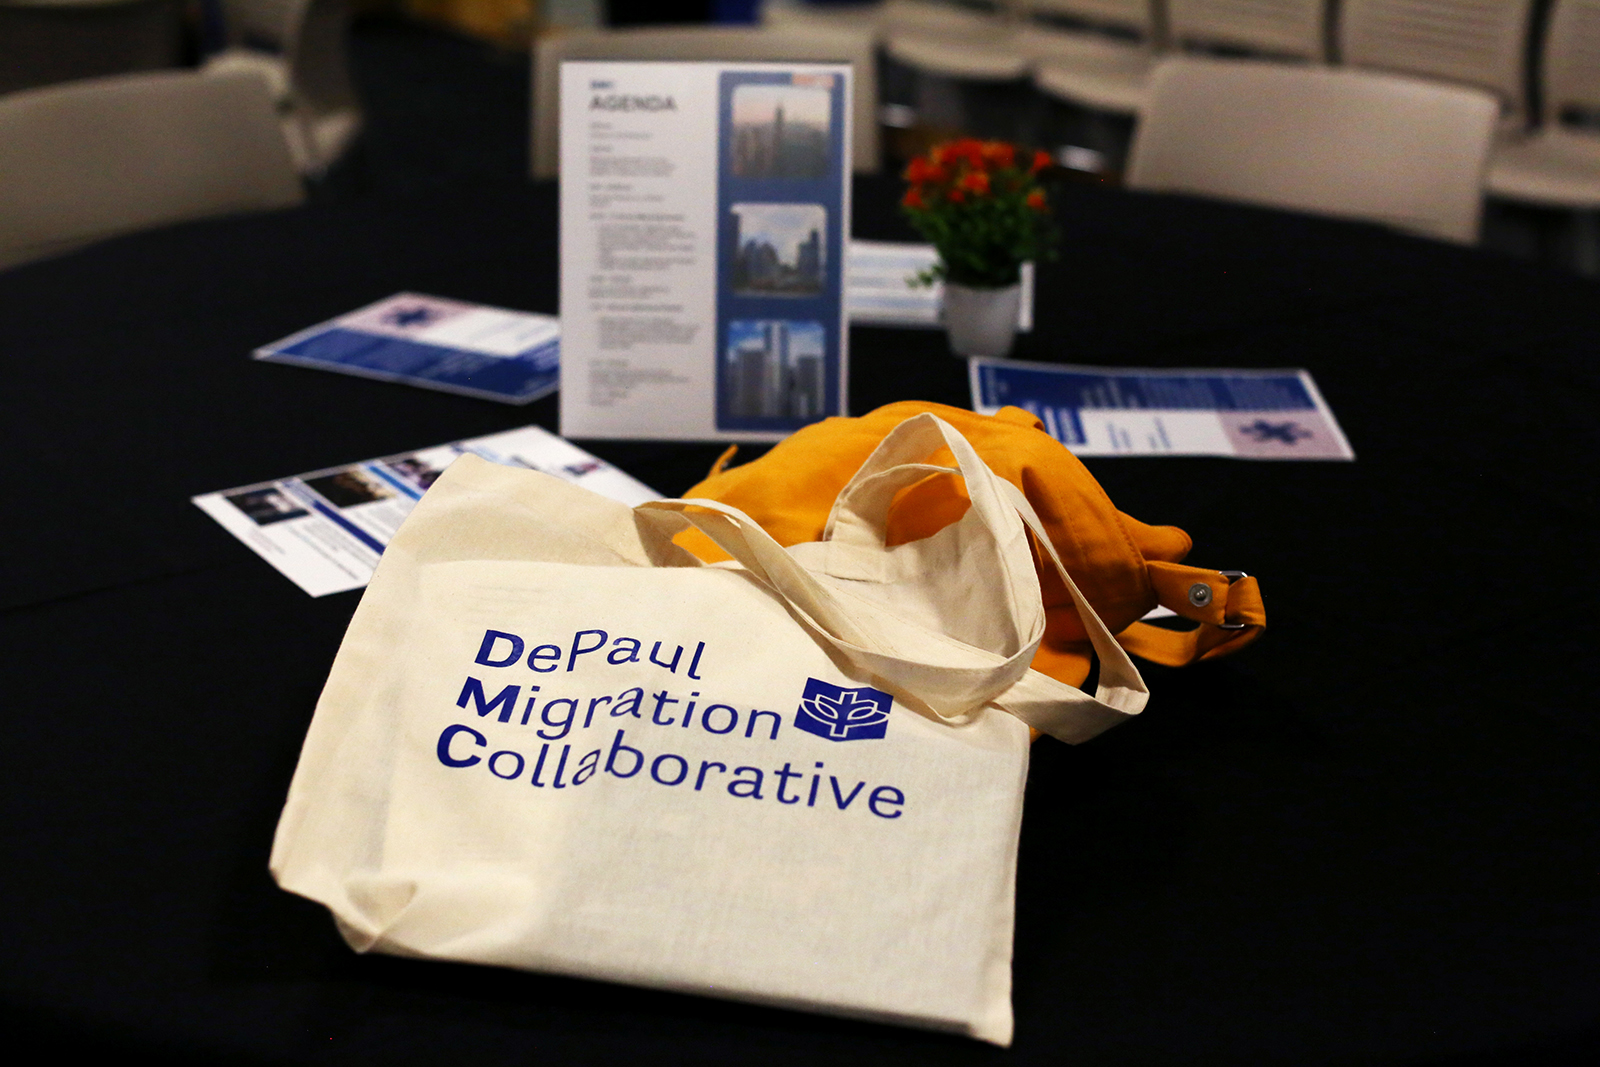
[[1476, 42], [319, 68], [311, 37], [262, 23], [92, 159], [1139, 16], [1332, 141], [840, 16], [41, 44], [1291, 28], [997, 60], [1572, 59], [942, 19], [950, 42], [787, 43]]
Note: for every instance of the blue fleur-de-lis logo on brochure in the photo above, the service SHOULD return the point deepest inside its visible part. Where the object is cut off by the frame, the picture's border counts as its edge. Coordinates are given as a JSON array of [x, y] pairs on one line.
[[411, 316], [1287, 432], [841, 714]]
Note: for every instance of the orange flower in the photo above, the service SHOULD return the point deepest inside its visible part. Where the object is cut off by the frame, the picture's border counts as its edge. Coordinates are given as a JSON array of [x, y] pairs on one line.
[[1000, 154], [1000, 182], [968, 150], [921, 170]]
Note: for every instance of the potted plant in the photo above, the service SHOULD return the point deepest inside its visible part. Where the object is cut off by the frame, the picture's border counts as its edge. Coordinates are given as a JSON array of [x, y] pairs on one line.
[[981, 205]]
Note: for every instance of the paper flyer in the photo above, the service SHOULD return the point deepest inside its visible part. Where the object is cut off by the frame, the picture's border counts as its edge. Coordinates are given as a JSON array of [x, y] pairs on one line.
[[325, 530], [1130, 411], [705, 214], [486, 352], [879, 293]]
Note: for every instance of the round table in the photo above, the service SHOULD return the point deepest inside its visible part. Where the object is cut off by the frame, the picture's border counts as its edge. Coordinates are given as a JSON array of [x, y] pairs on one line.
[[1374, 837]]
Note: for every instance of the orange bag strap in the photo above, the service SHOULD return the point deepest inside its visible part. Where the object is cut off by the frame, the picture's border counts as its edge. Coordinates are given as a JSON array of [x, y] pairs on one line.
[[1226, 604]]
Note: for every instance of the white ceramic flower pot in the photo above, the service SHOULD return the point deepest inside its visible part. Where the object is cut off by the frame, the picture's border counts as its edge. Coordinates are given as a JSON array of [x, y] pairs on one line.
[[981, 322]]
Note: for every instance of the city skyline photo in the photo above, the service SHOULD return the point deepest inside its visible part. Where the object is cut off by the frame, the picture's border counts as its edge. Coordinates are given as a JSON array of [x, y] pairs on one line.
[[781, 131], [773, 369], [779, 249]]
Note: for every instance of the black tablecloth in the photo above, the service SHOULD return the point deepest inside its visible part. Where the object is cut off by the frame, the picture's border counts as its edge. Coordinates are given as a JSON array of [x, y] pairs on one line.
[[1374, 837]]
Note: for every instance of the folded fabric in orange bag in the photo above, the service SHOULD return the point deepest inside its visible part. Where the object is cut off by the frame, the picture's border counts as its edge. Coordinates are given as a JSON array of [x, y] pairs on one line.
[[1123, 566]]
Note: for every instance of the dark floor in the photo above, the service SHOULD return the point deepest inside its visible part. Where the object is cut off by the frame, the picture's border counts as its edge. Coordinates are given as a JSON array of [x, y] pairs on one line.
[[448, 111]]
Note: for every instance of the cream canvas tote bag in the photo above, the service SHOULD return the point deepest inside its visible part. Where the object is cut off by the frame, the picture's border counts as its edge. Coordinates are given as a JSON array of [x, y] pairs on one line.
[[553, 740]]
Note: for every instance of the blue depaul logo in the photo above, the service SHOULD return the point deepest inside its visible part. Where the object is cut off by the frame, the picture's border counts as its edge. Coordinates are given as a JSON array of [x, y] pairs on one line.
[[843, 714]]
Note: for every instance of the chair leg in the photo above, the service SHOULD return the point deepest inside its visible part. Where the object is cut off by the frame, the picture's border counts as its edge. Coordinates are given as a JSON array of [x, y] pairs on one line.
[[1111, 135], [1586, 241]]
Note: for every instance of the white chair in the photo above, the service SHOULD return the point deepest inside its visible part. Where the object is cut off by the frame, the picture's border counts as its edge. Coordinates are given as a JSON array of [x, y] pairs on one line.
[[1100, 70], [47, 41], [949, 41], [92, 159], [262, 24], [786, 43], [940, 18], [1342, 142], [1475, 42], [1095, 70], [1289, 29], [1557, 166], [972, 59], [934, 55], [308, 70], [954, 70], [1136, 17], [937, 18], [864, 16]]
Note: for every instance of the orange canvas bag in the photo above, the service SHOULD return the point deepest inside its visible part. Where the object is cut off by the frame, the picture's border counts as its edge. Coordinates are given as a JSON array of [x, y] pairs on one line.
[[1124, 567]]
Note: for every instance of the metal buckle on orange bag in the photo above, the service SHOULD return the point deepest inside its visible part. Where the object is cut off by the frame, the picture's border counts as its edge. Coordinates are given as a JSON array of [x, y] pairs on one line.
[[1200, 596]]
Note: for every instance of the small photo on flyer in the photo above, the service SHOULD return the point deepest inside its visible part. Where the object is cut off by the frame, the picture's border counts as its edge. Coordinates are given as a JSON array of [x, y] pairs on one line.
[[780, 249], [773, 369], [349, 487], [781, 131], [421, 469], [266, 505]]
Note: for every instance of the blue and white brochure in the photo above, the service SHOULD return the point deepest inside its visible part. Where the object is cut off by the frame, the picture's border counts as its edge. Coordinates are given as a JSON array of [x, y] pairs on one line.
[[325, 530], [1131, 411], [472, 349], [705, 217]]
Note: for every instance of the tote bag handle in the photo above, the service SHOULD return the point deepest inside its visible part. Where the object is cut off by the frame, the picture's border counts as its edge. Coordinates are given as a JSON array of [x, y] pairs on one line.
[[928, 668]]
